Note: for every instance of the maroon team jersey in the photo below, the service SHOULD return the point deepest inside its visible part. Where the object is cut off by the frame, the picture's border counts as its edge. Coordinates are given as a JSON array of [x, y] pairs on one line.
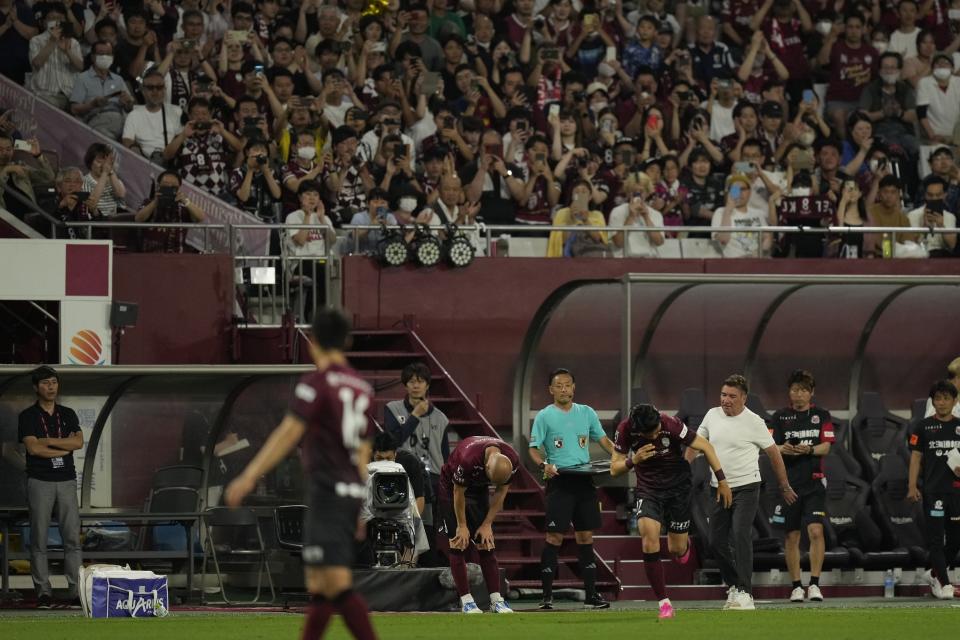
[[850, 71], [667, 469], [465, 466], [335, 405]]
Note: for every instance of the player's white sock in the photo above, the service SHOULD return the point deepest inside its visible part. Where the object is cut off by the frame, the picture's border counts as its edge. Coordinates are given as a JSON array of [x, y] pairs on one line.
[[495, 597], [465, 599], [664, 600]]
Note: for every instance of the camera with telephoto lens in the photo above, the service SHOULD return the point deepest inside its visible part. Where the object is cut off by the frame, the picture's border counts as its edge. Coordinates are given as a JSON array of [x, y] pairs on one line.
[[261, 160]]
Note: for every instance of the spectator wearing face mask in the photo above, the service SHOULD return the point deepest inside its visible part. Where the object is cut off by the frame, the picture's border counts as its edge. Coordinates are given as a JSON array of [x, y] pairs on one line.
[[891, 103], [938, 102], [100, 97], [303, 167]]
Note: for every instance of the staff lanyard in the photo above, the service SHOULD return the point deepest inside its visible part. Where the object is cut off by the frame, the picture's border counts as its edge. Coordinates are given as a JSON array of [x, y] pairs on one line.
[[43, 421]]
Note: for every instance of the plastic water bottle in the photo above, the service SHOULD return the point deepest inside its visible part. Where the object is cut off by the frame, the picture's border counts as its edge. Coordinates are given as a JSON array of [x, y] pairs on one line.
[[888, 584], [886, 246]]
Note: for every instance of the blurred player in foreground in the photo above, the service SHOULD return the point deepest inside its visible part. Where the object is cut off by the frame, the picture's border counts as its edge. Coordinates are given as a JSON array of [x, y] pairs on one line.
[[329, 413]]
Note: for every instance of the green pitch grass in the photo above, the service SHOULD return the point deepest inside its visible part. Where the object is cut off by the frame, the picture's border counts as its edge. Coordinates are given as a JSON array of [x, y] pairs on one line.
[[776, 624]]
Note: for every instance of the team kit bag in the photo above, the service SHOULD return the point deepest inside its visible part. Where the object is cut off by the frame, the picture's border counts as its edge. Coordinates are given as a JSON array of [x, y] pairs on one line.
[[112, 591]]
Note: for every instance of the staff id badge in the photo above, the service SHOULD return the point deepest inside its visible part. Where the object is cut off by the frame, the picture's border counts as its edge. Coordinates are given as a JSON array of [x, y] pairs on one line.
[[57, 462]]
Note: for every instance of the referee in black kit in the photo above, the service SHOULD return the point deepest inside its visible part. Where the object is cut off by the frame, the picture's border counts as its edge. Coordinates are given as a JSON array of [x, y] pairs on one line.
[[564, 430]]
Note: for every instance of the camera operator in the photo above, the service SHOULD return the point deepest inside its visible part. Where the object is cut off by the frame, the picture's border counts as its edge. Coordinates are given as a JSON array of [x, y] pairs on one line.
[[168, 204], [73, 204], [385, 448], [388, 123], [200, 149], [254, 183], [347, 178]]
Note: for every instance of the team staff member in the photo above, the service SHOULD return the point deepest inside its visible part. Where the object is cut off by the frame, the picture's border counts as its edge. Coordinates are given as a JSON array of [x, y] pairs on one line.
[[953, 377], [738, 434], [651, 443], [51, 433], [564, 430], [803, 432], [421, 428], [329, 413], [932, 439], [468, 511]]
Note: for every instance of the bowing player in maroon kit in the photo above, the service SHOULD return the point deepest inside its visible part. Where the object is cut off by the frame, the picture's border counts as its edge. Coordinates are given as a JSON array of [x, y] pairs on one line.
[[329, 413], [651, 443], [468, 511]]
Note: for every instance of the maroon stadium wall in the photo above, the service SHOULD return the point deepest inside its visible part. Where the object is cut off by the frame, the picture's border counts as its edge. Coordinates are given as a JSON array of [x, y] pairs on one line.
[[475, 319], [186, 306]]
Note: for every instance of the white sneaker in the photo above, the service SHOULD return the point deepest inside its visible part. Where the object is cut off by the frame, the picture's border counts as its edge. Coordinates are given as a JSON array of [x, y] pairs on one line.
[[797, 594], [814, 593], [745, 601], [471, 608], [731, 602], [927, 576], [945, 592], [500, 606]]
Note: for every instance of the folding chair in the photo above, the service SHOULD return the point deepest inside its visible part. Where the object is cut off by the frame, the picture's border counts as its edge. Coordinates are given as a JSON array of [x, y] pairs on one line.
[[226, 543]]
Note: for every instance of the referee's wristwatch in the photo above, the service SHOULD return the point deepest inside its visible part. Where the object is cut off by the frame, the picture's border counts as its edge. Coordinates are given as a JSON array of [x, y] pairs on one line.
[[541, 466]]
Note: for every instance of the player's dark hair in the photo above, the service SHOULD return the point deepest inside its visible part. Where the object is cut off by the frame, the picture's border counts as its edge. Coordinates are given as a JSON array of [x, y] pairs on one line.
[[415, 370], [44, 372], [560, 371], [384, 441], [737, 381], [644, 418], [331, 329], [803, 378], [943, 386]]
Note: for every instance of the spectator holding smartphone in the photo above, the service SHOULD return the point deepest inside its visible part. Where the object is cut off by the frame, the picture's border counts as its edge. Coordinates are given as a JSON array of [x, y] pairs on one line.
[[636, 212], [541, 190], [102, 182], [55, 58], [577, 244], [73, 203], [20, 178], [377, 212], [933, 214], [737, 212], [100, 97]]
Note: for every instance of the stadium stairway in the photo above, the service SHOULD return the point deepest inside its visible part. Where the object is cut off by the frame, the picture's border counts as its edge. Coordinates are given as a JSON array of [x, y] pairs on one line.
[[380, 355]]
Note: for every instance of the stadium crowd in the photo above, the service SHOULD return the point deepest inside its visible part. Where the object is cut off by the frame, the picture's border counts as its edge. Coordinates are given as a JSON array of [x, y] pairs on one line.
[[638, 113]]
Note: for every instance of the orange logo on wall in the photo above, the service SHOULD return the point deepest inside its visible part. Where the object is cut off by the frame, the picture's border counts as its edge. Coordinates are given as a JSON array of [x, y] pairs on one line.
[[86, 348]]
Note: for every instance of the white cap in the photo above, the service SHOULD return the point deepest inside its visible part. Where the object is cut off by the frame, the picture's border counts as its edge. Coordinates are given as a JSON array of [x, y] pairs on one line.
[[596, 86]]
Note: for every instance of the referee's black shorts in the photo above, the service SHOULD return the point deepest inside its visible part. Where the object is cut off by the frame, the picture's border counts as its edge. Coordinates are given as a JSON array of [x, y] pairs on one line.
[[329, 530], [572, 498]]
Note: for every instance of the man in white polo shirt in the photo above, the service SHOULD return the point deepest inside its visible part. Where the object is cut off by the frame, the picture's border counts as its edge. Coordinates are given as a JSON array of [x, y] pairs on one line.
[[737, 435]]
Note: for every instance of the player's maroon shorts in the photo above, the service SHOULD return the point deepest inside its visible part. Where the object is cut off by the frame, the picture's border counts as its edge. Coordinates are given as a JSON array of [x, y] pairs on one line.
[[329, 530]]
